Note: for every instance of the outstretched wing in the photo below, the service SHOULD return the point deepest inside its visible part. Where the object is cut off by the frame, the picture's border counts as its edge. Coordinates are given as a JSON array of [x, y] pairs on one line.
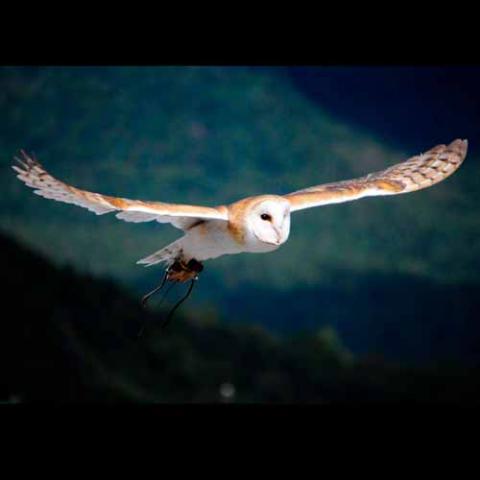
[[181, 216], [421, 171]]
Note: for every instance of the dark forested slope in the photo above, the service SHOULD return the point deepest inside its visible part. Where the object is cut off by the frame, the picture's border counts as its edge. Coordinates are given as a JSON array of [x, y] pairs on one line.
[[72, 338]]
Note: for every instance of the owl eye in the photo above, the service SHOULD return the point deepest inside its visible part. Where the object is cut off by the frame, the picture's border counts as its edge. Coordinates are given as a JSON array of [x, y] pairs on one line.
[[266, 216]]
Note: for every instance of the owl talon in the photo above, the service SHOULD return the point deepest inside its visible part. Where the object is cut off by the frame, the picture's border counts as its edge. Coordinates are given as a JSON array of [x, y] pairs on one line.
[[180, 271]]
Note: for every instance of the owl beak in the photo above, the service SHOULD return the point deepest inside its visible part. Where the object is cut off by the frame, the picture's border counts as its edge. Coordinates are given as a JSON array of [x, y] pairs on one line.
[[279, 236], [276, 242]]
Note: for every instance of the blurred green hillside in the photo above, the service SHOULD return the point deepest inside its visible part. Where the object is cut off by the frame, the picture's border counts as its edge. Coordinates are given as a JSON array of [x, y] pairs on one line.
[[211, 136]]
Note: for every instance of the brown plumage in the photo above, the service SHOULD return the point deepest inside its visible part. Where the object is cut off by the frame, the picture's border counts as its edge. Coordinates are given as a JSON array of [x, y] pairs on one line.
[[418, 172]]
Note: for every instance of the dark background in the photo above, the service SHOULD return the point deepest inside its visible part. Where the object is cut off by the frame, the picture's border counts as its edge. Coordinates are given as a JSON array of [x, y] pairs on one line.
[[402, 105], [371, 301]]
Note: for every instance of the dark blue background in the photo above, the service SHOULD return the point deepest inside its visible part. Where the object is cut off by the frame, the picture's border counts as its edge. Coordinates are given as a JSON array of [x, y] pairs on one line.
[[444, 101]]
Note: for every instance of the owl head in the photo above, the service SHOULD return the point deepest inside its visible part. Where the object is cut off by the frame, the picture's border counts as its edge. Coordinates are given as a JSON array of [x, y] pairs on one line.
[[268, 221]]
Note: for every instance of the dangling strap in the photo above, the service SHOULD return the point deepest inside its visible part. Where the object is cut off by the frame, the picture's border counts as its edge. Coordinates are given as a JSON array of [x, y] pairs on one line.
[[148, 295], [172, 311], [155, 290]]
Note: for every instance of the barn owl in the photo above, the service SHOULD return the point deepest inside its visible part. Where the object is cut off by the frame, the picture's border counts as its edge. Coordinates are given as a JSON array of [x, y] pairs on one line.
[[256, 224]]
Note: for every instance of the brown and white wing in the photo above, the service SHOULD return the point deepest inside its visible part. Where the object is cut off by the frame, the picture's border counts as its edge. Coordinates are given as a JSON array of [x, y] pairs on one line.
[[181, 216], [421, 171]]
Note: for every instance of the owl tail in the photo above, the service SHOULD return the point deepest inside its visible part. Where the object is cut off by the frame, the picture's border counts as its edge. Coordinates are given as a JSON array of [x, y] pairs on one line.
[[166, 255]]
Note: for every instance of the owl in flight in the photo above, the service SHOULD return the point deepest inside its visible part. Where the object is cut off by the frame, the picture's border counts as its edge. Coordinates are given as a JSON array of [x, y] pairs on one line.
[[256, 224]]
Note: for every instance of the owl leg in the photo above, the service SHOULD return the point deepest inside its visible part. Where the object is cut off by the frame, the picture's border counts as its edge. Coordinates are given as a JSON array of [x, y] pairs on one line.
[[180, 271]]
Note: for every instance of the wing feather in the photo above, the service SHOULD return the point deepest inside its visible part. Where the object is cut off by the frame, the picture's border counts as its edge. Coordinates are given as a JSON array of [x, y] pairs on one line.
[[35, 176], [416, 173]]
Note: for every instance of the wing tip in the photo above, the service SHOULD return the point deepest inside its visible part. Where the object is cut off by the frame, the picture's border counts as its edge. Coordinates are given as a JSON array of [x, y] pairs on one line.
[[27, 162], [459, 146]]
